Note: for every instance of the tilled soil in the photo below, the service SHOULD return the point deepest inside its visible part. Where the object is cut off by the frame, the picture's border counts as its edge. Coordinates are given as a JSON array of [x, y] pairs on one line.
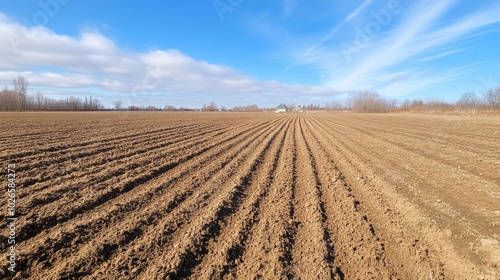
[[131, 195]]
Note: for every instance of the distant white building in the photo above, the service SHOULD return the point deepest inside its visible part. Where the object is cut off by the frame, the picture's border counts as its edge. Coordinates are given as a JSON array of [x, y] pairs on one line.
[[281, 108]]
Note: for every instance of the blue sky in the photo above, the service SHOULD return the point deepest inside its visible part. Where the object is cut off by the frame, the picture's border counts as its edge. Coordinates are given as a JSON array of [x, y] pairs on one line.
[[237, 52]]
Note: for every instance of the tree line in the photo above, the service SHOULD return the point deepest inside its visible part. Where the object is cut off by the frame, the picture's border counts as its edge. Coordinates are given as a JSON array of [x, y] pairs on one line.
[[18, 99], [371, 102]]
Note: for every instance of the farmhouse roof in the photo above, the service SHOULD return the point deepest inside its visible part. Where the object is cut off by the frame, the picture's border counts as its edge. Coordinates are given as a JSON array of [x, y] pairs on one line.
[[281, 106]]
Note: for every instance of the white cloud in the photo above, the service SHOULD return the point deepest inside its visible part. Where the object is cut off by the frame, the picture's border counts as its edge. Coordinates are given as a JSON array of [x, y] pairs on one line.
[[92, 60]]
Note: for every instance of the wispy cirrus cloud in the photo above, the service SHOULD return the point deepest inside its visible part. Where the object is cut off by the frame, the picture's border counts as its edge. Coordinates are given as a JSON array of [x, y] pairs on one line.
[[352, 15], [372, 54], [289, 6], [398, 46]]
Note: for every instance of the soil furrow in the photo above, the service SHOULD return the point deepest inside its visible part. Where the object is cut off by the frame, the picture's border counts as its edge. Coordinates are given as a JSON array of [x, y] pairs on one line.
[[272, 238], [115, 164], [473, 160], [227, 195], [410, 163], [114, 188], [191, 242], [386, 223], [225, 254], [313, 252], [359, 253], [148, 215]]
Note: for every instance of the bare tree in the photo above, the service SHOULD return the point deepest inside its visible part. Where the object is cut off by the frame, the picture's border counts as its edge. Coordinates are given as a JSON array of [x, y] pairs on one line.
[[117, 104], [334, 106], [9, 100], [210, 107], [74, 103], [39, 100], [247, 108], [469, 100], [406, 105], [497, 93], [21, 85], [369, 102], [492, 97], [30, 102], [169, 108], [416, 105], [393, 105]]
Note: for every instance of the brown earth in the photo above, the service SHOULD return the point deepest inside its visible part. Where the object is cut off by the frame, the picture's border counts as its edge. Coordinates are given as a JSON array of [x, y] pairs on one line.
[[130, 195]]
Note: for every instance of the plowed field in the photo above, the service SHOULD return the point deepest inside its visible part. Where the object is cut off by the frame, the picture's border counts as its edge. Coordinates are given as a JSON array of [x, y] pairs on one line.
[[117, 195]]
